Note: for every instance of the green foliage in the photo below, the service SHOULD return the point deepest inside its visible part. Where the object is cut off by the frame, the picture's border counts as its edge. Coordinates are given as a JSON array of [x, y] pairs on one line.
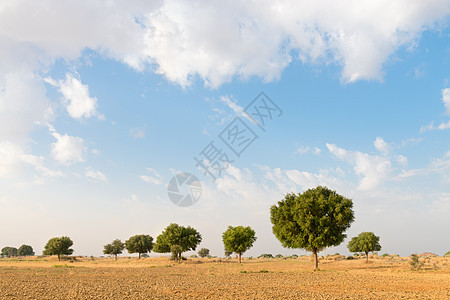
[[25, 250], [115, 248], [9, 252], [266, 255], [447, 254], [238, 239], [293, 256], [141, 243], [186, 237], [228, 254], [415, 262], [58, 246], [385, 255], [176, 251], [203, 252], [365, 242], [313, 220], [279, 256]]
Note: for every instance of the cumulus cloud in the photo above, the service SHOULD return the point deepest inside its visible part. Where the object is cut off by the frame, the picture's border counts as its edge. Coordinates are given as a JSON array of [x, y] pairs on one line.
[[372, 169], [137, 133], [13, 158], [94, 175], [23, 104], [446, 99], [78, 102], [67, 149], [381, 145], [154, 177]]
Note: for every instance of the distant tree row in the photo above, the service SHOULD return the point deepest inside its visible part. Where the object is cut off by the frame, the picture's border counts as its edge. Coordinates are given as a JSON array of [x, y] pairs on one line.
[[24, 250], [313, 220]]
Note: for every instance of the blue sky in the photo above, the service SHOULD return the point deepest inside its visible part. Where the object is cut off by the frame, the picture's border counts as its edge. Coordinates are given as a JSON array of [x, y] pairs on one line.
[[101, 104]]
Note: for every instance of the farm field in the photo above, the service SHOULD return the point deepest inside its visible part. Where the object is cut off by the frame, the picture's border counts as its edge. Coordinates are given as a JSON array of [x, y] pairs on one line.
[[160, 278]]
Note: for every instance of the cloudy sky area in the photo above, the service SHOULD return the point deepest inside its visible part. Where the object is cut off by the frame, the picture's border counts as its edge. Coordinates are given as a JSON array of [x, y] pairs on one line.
[[102, 102]]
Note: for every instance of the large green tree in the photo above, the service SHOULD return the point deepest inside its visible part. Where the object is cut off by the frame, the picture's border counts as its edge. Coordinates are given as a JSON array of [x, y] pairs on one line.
[[365, 242], [187, 238], [141, 243], [313, 220], [58, 246], [25, 250], [9, 251], [115, 248], [238, 239]]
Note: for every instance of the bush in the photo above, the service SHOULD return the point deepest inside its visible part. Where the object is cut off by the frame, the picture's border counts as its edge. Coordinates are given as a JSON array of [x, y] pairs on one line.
[[385, 255], [193, 256], [337, 253], [447, 254], [279, 256], [203, 252], [350, 257], [265, 255], [293, 256], [415, 263]]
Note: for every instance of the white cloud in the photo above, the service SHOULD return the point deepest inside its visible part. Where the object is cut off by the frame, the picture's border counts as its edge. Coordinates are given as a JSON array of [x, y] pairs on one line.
[[155, 177], [13, 158], [76, 97], [67, 149], [446, 99], [95, 175], [23, 104], [137, 133], [372, 169], [306, 149], [381, 145]]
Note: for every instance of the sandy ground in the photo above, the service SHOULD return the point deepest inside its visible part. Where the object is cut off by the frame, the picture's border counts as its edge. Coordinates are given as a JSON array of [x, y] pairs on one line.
[[159, 278]]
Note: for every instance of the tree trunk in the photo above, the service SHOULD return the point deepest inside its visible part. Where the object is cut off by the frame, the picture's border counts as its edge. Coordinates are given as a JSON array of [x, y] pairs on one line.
[[59, 257], [316, 261], [179, 257], [139, 255], [240, 257], [367, 257], [115, 256]]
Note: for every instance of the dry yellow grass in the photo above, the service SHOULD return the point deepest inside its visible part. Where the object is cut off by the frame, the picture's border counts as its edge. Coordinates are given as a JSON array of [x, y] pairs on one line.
[[382, 278]]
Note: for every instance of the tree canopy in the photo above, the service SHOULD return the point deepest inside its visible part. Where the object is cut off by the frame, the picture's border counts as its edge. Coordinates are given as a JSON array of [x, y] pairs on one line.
[[238, 239], [115, 248], [58, 246], [365, 242], [9, 251], [204, 252], [313, 220], [140, 244], [25, 250], [187, 238]]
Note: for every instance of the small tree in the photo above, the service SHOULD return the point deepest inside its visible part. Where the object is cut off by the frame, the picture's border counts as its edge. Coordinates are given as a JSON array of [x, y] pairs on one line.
[[9, 252], [203, 252], [141, 243], [238, 239], [228, 253], [365, 242], [115, 248], [186, 237], [313, 220], [25, 250], [58, 246], [415, 263]]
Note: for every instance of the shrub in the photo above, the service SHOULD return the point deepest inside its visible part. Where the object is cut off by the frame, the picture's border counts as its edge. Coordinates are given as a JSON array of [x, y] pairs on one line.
[[204, 252], [279, 256], [385, 255], [193, 256], [265, 255], [447, 254], [415, 263], [350, 257]]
